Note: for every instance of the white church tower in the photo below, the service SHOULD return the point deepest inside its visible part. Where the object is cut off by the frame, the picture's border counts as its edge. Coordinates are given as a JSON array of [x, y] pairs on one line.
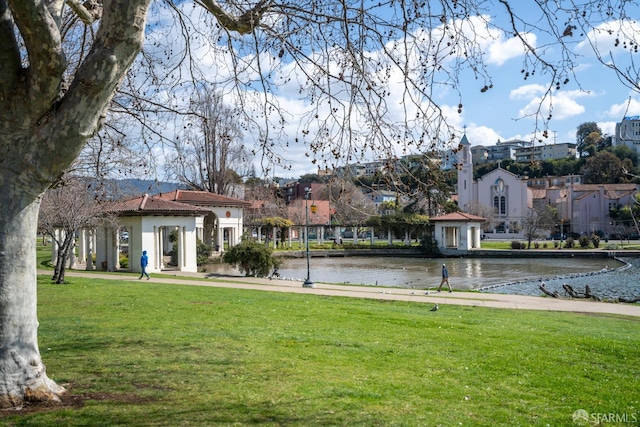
[[465, 175]]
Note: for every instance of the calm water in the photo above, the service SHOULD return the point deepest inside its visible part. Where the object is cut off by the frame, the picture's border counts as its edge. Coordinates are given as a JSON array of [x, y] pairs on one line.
[[499, 275]]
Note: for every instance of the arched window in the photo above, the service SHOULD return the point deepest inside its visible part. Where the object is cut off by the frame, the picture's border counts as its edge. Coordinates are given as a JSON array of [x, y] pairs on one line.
[[500, 199]]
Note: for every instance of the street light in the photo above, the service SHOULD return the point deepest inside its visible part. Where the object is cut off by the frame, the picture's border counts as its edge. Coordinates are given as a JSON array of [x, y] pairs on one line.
[[308, 283]]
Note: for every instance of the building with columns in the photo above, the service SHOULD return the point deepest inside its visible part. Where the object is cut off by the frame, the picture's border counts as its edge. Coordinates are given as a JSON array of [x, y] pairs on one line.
[[457, 232], [224, 220], [167, 230], [167, 226]]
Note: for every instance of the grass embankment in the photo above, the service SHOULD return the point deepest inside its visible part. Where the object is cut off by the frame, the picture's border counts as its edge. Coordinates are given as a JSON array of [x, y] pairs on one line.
[[553, 245], [152, 354]]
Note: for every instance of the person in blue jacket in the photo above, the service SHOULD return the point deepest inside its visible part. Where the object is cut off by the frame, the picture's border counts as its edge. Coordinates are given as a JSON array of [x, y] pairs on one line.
[[445, 278], [144, 261]]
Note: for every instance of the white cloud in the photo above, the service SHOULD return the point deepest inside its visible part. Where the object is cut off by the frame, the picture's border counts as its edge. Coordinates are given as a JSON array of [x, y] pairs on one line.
[[482, 135], [527, 91], [559, 104], [610, 37], [608, 128], [631, 107], [502, 50]]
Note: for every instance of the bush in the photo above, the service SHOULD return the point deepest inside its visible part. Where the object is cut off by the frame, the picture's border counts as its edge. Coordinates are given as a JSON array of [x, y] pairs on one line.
[[124, 262], [203, 252], [570, 243], [252, 258], [584, 241], [429, 246], [518, 245], [595, 239], [536, 245]]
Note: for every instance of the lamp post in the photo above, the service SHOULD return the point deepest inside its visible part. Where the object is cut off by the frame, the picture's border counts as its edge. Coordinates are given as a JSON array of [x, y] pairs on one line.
[[308, 283], [561, 232]]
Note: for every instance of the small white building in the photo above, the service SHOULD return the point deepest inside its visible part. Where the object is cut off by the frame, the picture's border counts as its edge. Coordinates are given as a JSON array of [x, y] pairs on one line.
[[167, 226], [457, 231], [165, 229]]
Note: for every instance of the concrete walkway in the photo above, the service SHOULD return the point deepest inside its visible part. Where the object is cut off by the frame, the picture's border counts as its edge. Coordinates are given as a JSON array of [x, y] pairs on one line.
[[476, 299]]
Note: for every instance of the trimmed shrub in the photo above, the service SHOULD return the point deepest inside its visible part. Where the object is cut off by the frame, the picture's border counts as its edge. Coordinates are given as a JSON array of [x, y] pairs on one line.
[[584, 241], [252, 258], [518, 245], [124, 262]]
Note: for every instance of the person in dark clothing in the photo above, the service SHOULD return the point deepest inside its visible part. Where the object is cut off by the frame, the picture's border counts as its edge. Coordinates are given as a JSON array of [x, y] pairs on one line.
[[144, 261], [445, 278]]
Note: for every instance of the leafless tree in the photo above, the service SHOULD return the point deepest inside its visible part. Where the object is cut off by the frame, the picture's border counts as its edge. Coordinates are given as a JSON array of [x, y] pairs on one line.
[[65, 209], [210, 155], [349, 205], [540, 217], [484, 211], [368, 71]]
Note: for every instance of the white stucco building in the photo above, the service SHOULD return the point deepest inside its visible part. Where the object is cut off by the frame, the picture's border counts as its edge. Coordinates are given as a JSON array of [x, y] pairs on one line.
[[457, 231], [153, 225], [224, 220], [167, 226]]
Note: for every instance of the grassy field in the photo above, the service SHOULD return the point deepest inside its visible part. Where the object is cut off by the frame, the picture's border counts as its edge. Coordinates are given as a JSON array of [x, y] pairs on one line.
[[148, 354]]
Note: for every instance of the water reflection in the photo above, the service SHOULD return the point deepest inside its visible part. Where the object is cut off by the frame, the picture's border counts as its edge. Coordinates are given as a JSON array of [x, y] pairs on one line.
[[524, 274], [465, 273]]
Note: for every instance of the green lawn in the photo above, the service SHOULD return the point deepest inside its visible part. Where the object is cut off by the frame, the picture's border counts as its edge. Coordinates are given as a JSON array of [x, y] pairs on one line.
[[149, 354]]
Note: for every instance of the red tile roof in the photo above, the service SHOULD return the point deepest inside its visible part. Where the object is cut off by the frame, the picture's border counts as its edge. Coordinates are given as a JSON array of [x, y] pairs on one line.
[[203, 198], [606, 187], [151, 205], [458, 216]]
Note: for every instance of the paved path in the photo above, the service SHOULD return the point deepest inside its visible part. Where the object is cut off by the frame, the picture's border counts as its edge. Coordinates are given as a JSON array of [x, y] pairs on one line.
[[478, 299]]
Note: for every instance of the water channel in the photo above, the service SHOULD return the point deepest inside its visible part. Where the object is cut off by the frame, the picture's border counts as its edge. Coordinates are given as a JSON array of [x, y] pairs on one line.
[[608, 278]]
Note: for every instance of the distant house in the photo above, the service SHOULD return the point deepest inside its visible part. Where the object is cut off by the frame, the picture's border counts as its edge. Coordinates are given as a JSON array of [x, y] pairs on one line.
[[457, 231], [628, 133]]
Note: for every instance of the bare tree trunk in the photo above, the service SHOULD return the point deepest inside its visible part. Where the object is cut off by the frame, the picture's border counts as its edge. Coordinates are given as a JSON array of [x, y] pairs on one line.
[[22, 373], [56, 269], [63, 257], [62, 261]]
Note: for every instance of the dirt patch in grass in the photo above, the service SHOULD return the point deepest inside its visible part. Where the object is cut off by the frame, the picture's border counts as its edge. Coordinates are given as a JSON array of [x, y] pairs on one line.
[[72, 401]]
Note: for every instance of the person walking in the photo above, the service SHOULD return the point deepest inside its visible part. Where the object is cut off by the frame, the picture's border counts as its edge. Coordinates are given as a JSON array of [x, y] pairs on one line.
[[445, 278], [144, 261]]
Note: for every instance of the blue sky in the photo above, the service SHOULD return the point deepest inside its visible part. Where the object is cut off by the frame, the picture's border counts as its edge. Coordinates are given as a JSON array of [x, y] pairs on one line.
[[593, 92], [504, 112]]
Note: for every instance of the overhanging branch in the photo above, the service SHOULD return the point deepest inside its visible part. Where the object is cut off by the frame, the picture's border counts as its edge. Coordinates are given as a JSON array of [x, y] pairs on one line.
[[243, 24]]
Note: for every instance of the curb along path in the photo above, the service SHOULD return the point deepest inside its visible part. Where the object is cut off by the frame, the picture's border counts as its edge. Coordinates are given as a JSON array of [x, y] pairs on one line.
[[476, 299]]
